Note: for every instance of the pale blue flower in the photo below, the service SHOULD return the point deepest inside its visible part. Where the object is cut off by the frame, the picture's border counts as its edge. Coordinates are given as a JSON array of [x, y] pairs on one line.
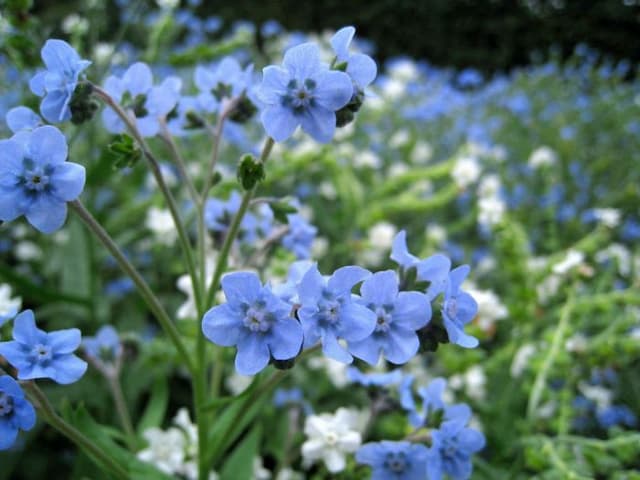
[[360, 67], [16, 413], [22, 118], [394, 460]]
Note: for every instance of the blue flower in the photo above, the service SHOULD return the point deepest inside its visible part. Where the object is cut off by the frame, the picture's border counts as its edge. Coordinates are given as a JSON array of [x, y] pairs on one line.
[[451, 450], [300, 237], [374, 379], [38, 354], [218, 214], [16, 413], [255, 320], [432, 403], [458, 309], [105, 346], [303, 92], [224, 81], [288, 291], [35, 179], [360, 67], [398, 317], [147, 103], [22, 118], [394, 460], [57, 83], [328, 311]]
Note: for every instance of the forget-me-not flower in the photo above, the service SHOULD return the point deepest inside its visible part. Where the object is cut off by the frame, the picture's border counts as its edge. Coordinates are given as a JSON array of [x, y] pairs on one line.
[[360, 67], [136, 93], [299, 238], [58, 82], [398, 316], [22, 118], [16, 413], [432, 403], [222, 82], [38, 354], [303, 92], [35, 179], [329, 312], [394, 460], [254, 320], [458, 309], [451, 449]]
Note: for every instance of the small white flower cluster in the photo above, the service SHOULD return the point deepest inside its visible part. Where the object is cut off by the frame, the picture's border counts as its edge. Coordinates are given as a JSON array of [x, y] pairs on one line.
[[175, 450], [331, 437], [473, 382], [380, 239], [491, 207], [466, 171], [550, 285], [541, 157], [490, 308], [160, 222]]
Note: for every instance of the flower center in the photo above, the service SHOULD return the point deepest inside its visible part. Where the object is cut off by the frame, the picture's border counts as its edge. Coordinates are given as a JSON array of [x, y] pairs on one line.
[[383, 322], [257, 320], [6, 404], [41, 353], [396, 462], [451, 307], [331, 438], [329, 309], [299, 96], [35, 178]]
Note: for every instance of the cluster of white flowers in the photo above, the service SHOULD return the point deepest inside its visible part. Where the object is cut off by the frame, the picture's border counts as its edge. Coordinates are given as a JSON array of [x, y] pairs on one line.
[[542, 156], [609, 217], [550, 285], [473, 382], [490, 308], [160, 222], [380, 237], [466, 171], [620, 254], [331, 436], [491, 207], [175, 450]]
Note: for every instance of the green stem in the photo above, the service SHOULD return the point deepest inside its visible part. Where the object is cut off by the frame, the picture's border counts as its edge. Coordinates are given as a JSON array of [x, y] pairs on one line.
[[123, 411], [69, 431], [157, 173], [217, 136], [541, 377], [178, 160], [151, 300]]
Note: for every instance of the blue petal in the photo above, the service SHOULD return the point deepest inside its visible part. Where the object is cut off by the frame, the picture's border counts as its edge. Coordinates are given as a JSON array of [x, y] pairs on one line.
[[334, 90], [47, 214], [68, 181], [22, 118], [10, 386], [467, 308], [54, 107], [67, 369], [279, 122], [15, 354], [59, 55], [356, 322], [12, 201], [204, 78], [340, 42], [25, 414], [367, 350], [148, 126], [434, 269], [412, 309], [112, 122], [241, 287], [344, 278], [8, 434], [457, 276], [332, 349], [36, 84], [310, 289], [458, 336], [222, 325], [253, 354], [286, 339], [47, 145], [303, 61], [362, 69], [114, 87], [381, 288], [401, 345], [320, 123], [64, 341], [274, 84], [138, 79], [25, 330], [399, 252]]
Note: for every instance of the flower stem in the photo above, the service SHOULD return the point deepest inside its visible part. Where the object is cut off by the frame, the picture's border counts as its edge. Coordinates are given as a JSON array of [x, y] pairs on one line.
[[123, 411], [151, 300], [73, 434]]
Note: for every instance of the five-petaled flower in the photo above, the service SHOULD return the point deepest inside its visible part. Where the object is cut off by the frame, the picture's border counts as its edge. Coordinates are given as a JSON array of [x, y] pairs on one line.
[[35, 179], [303, 92], [398, 317], [458, 309], [16, 413], [38, 354], [394, 460], [58, 82], [255, 320], [360, 67]]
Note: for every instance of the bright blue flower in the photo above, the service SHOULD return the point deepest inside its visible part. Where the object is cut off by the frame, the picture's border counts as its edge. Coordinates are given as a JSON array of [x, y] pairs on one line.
[[255, 320], [218, 214], [394, 460], [16, 413], [616, 415], [147, 103], [22, 118], [374, 379], [432, 402], [35, 179], [288, 291], [458, 309], [57, 83], [360, 67], [38, 354], [398, 316], [329, 312], [302, 92], [451, 450], [300, 237], [105, 346], [222, 82]]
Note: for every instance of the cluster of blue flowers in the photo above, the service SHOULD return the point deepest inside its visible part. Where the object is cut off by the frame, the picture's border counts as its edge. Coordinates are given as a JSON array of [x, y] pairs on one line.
[[268, 323], [452, 443]]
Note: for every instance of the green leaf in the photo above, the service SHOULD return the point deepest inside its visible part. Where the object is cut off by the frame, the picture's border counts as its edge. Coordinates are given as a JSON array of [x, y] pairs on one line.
[[76, 273], [156, 409], [239, 465], [250, 172], [281, 210]]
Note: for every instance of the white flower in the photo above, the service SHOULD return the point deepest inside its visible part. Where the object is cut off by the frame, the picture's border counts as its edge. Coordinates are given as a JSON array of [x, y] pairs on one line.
[[421, 153], [27, 251], [609, 217], [166, 449], [573, 259], [436, 233], [548, 287], [188, 308], [74, 23], [160, 222], [542, 156], [237, 383], [491, 211], [366, 158], [475, 381], [465, 171], [489, 185], [577, 343], [399, 138], [521, 359], [327, 190], [601, 396], [618, 252], [405, 70], [397, 169], [336, 371], [490, 308], [381, 235], [319, 247], [183, 421], [9, 307], [330, 437], [393, 89]]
